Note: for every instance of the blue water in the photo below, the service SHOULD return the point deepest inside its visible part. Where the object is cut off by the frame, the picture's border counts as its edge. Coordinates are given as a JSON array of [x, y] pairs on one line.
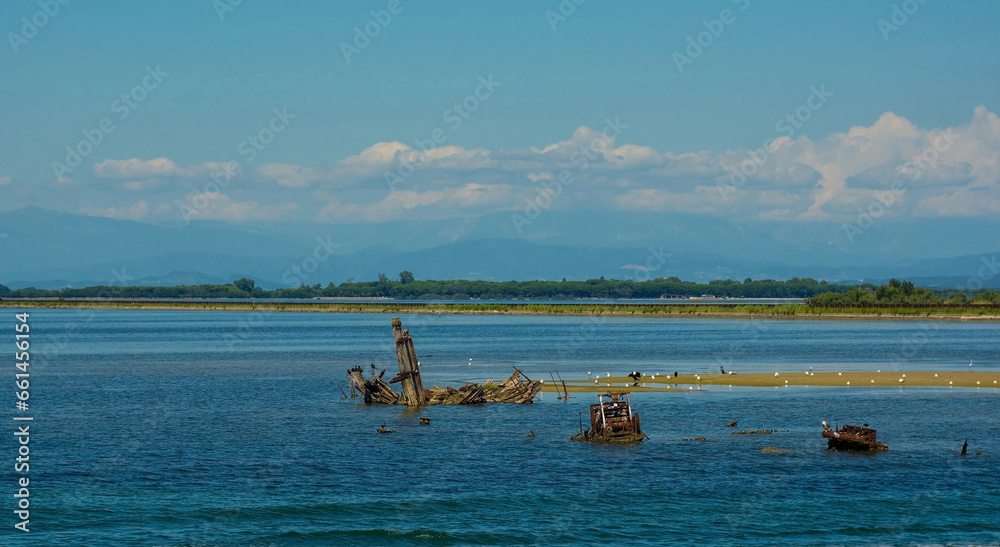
[[226, 428]]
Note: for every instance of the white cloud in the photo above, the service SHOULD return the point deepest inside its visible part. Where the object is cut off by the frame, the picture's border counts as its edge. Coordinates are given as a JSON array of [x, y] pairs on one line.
[[135, 168], [295, 176], [217, 206], [953, 171], [398, 204]]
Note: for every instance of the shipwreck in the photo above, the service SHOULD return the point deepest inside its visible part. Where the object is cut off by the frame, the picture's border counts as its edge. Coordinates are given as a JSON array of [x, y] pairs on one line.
[[612, 421], [518, 388], [852, 438]]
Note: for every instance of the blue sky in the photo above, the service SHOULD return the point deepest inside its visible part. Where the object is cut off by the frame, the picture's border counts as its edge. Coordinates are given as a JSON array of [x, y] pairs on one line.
[[556, 81]]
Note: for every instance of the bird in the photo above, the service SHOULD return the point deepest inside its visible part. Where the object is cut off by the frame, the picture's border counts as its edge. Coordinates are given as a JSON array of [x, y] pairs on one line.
[[901, 380], [848, 383], [596, 382], [470, 361], [840, 374], [826, 426], [970, 366], [588, 374], [609, 375], [775, 374]]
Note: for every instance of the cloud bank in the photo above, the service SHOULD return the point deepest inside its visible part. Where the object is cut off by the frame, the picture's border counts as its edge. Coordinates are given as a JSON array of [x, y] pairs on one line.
[[943, 172]]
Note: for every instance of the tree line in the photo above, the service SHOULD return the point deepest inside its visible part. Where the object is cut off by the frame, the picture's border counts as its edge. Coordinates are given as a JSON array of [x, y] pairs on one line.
[[407, 287], [899, 292]]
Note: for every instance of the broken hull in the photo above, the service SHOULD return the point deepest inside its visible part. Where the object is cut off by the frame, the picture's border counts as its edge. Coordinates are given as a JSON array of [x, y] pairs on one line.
[[591, 437], [848, 441]]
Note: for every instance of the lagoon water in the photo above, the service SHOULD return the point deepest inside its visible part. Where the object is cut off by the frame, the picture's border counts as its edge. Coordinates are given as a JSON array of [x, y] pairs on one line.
[[230, 428]]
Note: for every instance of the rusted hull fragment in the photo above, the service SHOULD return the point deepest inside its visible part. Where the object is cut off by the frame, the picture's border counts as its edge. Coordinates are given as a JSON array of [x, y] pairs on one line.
[[852, 438], [612, 422]]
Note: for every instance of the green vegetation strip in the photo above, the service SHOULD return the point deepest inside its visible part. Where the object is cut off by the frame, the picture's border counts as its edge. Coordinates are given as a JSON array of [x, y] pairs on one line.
[[757, 311], [781, 311]]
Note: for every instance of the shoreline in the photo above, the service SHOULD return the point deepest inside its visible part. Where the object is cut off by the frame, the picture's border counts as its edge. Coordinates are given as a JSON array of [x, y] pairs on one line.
[[582, 310], [691, 382]]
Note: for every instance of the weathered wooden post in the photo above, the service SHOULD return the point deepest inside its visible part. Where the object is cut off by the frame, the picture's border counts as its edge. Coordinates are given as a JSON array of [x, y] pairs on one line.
[[409, 371]]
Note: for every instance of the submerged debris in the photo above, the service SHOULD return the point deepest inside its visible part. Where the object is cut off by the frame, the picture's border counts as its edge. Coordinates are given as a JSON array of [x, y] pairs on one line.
[[516, 389], [757, 432], [612, 421], [732, 423], [852, 438]]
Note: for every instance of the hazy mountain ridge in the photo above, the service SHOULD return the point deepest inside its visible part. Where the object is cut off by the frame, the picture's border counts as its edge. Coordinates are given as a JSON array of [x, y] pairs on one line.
[[50, 249]]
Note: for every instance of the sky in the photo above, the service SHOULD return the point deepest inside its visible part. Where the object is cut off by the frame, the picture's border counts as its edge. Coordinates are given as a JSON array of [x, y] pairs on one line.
[[373, 111]]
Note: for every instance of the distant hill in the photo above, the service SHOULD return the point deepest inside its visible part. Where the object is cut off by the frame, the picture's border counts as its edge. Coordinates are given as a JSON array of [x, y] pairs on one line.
[[50, 249]]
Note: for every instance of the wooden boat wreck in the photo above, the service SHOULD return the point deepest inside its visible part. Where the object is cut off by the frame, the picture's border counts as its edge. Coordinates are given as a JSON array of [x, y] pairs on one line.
[[518, 388], [852, 438], [612, 421]]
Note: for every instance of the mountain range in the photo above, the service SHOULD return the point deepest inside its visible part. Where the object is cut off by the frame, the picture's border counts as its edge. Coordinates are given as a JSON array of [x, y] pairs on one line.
[[51, 249]]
